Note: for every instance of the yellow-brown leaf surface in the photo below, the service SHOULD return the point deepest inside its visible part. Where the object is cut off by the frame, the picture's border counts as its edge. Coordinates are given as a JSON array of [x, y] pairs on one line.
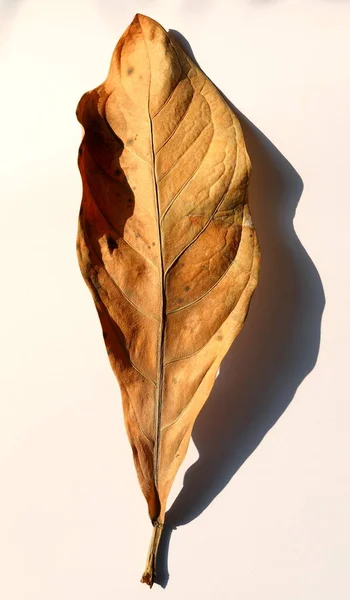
[[165, 242]]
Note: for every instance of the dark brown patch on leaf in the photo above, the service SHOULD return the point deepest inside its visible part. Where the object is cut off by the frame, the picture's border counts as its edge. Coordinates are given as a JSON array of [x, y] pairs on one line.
[[111, 243]]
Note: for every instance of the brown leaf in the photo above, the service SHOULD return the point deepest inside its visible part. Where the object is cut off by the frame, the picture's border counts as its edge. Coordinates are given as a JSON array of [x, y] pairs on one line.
[[165, 243]]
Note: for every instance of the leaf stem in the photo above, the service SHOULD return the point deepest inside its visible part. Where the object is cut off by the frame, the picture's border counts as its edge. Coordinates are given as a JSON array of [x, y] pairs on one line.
[[149, 574]]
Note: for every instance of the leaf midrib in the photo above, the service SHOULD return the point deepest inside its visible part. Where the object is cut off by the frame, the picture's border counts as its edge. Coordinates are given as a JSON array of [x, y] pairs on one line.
[[163, 311]]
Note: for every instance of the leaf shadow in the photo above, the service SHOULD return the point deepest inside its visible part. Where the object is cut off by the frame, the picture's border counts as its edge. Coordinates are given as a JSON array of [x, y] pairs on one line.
[[276, 349]]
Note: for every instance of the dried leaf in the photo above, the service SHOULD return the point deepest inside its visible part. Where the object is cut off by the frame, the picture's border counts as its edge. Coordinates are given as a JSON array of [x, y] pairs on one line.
[[165, 243]]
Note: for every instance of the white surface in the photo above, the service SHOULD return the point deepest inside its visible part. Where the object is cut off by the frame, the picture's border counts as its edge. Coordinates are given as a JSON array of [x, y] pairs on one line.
[[73, 521]]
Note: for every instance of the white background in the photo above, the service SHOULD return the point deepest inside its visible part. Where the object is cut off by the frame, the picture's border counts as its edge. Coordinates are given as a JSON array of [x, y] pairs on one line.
[[73, 521]]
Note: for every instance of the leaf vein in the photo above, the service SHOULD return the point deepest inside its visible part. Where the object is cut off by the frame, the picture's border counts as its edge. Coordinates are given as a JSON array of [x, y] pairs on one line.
[[177, 126], [188, 180], [207, 223], [183, 154], [134, 153], [175, 310], [189, 402], [128, 299], [211, 337], [168, 98], [126, 351]]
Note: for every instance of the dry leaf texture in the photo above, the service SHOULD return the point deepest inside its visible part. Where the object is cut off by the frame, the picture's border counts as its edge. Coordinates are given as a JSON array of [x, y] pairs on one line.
[[165, 241]]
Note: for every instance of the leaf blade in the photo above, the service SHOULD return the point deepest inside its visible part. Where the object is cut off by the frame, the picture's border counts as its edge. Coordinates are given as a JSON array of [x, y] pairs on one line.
[[167, 177]]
